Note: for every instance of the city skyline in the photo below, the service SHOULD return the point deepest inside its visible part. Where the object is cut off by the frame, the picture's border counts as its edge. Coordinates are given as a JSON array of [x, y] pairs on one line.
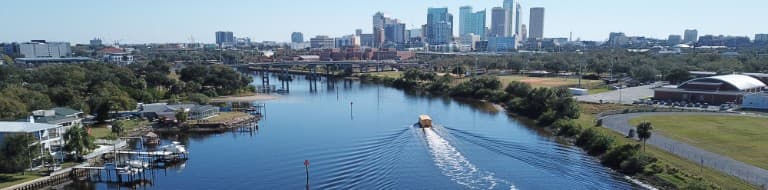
[[173, 22]]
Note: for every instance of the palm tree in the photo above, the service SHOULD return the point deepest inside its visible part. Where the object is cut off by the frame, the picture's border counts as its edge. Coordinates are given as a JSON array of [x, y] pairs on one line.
[[78, 140], [644, 132]]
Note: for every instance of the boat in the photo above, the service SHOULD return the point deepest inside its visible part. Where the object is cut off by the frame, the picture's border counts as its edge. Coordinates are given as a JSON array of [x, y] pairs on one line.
[[425, 121], [137, 164], [175, 148]]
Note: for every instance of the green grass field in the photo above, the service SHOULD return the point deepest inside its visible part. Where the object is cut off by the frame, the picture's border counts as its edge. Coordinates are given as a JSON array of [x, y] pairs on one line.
[[548, 81], [7, 180], [390, 74], [742, 138], [722, 180]]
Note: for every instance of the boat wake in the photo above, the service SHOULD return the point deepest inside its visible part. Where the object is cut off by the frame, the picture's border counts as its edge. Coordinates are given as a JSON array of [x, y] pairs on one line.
[[454, 165], [549, 157], [365, 165]]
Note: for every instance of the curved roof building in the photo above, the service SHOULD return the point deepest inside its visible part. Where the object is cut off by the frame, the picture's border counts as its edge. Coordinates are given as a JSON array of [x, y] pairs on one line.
[[713, 90]]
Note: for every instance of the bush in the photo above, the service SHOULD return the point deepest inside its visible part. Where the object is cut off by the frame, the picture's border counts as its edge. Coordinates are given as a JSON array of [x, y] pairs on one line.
[[566, 128], [547, 118], [198, 98], [600, 144], [585, 138], [617, 155]]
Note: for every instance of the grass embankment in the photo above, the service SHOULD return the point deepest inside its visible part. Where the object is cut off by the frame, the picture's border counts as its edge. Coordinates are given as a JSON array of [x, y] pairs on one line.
[[742, 138], [678, 171], [7, 180], [102, 132], [222, 117], [552, 82]]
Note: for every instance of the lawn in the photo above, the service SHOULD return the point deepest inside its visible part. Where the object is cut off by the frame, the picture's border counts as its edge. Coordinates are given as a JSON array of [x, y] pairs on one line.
[[101, 132], [724, 181], [390, 74], [548, 81], [223, 116], [742, 138], [7, 180], [599, 90]]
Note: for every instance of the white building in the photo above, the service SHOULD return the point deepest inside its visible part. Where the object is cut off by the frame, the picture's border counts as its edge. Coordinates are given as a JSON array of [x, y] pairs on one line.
[[43, 49], [50, 137], [467, 42], [119, 58]]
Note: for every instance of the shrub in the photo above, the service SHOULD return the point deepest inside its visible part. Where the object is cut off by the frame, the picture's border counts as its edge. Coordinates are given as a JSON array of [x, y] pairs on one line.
[[547, 118], [600, 144], [585, 138], [566, 128]]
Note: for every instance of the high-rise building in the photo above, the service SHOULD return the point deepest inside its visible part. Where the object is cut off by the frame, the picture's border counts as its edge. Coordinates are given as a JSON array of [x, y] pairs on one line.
[[358, 32], [225, 37], [498, 22], [471, 22], [321, 42], [95, 43], [536, 23], [297, 37], [518, 12], [617, 39], [439, 26], [523, 32], [394, 32], [761, 38], [691, 36], [467, 42], [366, 40], [674, 40], [43, 49], [379, 21], [349, 41], [509, 24]]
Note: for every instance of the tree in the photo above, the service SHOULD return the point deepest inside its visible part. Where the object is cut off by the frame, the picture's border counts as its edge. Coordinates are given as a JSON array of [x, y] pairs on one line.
[[644, 73], [644, 132], [18, 152], [182, 116], [118, 127], [677, 75], [12, 108], [78, 140]]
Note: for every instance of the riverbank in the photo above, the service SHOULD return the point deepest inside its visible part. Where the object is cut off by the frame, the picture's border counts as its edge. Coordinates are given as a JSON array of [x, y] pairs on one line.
[[247, 98], [661, 169]]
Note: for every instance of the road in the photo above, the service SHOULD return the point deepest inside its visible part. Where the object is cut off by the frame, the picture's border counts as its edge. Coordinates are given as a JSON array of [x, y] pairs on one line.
[[625, 96], [749, 173]]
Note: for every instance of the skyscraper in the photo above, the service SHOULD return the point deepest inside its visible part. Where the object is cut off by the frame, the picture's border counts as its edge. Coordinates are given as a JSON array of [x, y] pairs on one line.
[[498, 22], [358, 32], [509, 24], [225, 37], [691, 36], [536, 23], [523, 32], [394, 32], [674, 40], [518, 10], [297, 37], [379, 20], [471, 22], [439, 26]]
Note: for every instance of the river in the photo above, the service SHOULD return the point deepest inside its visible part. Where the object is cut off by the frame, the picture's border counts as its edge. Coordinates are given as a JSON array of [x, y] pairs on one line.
[[362, 136]]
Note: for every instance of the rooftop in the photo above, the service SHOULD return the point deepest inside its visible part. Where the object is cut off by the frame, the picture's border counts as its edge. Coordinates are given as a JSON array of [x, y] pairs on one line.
[[742, 82], [23, 127]]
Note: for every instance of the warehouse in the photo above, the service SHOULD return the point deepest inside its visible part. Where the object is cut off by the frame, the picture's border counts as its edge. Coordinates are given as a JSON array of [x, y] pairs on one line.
[[714, 90]]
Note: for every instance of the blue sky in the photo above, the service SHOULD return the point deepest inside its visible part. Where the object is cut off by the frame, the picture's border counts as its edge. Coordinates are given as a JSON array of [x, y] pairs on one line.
[[141, 21]]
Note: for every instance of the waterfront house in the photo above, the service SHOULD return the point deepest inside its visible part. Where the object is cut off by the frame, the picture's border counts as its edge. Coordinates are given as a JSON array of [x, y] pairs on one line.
[[168, 112], [49, 136]]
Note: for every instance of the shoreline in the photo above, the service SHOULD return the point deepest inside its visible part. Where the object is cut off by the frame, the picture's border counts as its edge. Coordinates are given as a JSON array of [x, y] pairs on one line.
[[249, 98]]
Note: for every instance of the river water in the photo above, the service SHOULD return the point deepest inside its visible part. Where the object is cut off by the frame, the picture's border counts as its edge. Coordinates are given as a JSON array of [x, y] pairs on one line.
[[362, 136]]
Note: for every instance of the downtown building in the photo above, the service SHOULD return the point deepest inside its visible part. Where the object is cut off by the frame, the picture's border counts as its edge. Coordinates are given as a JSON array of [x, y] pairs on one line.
[[536, 23], [690, 36], [297, 37], [43, 49], [225, 39], [439, 28], [471, 22], [322, 42], [498, 22]]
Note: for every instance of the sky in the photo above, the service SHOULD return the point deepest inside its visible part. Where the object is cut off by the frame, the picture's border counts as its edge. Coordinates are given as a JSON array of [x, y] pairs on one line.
[[161, 21]]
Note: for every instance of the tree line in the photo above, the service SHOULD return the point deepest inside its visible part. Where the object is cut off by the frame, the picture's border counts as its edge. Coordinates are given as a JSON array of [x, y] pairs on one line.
[[97, 88]]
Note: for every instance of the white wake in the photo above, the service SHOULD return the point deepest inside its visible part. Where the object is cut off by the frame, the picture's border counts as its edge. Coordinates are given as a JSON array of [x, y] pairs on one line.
[[454, 165]]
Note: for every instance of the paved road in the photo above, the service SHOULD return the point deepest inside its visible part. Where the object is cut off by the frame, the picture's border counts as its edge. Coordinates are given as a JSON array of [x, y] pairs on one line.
[[749, 173], [625, 96]]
